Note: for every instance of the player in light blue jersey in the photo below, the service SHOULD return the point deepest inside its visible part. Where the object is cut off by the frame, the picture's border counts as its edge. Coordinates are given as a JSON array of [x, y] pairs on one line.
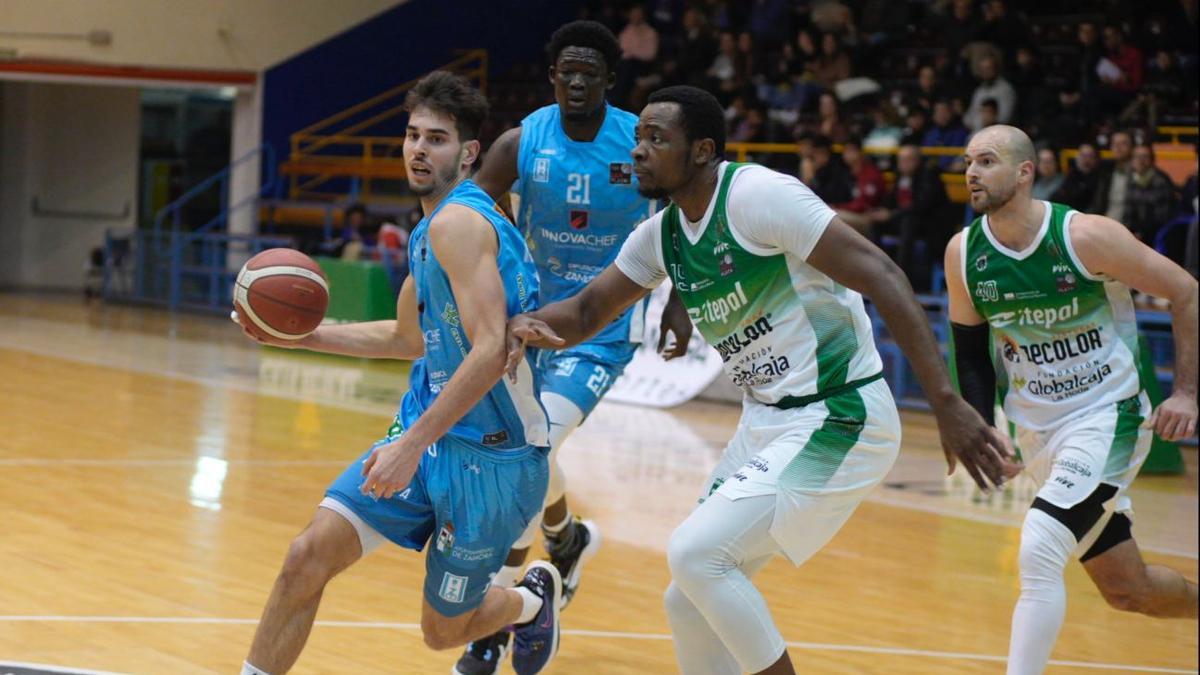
[[569, 165], [464, 465]]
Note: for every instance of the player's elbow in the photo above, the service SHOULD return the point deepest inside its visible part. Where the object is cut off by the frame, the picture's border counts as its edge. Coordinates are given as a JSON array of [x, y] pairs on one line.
[[490, 348]]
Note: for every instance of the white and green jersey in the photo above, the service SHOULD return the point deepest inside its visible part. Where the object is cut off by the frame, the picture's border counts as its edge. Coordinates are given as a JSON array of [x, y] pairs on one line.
[[786, 332], [1064, 340]]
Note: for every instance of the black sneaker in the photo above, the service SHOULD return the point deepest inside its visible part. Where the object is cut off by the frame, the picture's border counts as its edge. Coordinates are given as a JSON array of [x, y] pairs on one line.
[[484, 656], [571, 552], [535, 643]]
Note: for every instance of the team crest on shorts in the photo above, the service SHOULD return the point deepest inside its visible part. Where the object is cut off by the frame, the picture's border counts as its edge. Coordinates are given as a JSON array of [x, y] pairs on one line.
[[445, 540], [454, 588]]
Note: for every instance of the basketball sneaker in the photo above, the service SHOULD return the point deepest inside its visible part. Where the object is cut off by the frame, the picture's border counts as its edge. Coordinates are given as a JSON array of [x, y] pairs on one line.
[[576, 545], [535, 643], [484, 656]]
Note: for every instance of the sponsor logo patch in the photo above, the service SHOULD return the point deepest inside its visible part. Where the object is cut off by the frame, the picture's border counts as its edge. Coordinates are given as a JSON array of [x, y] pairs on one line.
[[620, 173]]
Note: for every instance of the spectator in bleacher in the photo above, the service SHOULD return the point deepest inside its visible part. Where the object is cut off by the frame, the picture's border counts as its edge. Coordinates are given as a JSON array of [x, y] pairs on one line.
[[916, 125], [833, 65], [1078, 189], [639, 50], [829, 119], [957, 28], [1150, 200], [885, 129], [722, 72], [348, 245], [869, 187], [1036, 100], [989, 114], [750, 128], [639, 40], [1090, 52], [928, 90], [806, 50], [946, 132], [1120, 70], [914, 210], [769, 23], [994, 87], [1049, 178], [999, 27], [826, 174], [1067, 122], [1114, 178], [1164, 82], [694, 50], [747, 58]]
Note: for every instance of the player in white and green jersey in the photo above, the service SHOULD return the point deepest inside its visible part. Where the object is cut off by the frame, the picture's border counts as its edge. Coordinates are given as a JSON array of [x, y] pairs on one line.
[[772, 279], [1041, 312]]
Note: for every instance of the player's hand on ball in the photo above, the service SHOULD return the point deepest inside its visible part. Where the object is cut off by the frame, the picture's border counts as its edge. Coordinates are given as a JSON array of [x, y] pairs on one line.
[[522, 330], [1175, 418], [261, 337], [389, 469]]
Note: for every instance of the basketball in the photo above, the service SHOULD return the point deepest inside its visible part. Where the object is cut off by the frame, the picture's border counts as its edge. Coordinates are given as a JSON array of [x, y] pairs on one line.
[[281, 292]]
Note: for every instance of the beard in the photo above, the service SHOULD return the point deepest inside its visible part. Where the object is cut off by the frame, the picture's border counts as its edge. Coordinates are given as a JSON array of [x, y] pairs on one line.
[[653, 192], [439, 183], [994, 200]]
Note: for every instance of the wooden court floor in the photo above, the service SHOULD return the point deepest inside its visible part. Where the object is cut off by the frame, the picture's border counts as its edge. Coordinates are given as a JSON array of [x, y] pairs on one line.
[[154, 469]]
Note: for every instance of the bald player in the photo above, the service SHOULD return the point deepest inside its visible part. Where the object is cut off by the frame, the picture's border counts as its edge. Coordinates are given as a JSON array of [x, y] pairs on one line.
[[1050, 287]]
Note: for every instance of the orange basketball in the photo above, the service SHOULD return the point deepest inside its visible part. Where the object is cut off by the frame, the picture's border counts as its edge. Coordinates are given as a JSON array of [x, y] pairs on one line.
[[281, 292]]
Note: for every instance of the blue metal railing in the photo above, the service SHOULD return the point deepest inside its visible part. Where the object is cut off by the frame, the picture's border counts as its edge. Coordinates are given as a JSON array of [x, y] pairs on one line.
[[205, 277], [163, 246]]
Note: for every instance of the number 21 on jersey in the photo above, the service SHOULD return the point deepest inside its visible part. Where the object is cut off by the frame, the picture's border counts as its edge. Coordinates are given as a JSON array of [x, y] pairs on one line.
[[579, 188]]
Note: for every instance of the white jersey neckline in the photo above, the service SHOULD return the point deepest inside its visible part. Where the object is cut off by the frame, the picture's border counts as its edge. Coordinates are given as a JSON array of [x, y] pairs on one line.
[[1028, 250]]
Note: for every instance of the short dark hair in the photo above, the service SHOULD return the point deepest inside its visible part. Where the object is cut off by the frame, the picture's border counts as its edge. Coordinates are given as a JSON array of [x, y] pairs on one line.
[[853, 139], [700, 112], [589, 34], [822, 142], [450, 94]]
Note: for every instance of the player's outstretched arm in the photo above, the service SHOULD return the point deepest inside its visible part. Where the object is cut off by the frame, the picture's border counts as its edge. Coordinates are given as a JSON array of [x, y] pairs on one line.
[[387, 339], [466, 246], [854, 262], [1107, 248], [499, 168], [568, 322]]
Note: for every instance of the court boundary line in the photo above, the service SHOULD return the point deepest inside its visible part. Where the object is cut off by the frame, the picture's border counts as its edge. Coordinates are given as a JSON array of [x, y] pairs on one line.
[[619, 635], [68, 670]]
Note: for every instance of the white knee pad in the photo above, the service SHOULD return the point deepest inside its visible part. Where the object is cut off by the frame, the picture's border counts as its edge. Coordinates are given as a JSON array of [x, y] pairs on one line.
[[1046, 546], [526, 538], [565, 417]]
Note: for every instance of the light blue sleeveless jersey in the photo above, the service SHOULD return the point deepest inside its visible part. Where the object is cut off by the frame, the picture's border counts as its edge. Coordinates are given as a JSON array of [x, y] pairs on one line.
[[579, 202], [510, 416]]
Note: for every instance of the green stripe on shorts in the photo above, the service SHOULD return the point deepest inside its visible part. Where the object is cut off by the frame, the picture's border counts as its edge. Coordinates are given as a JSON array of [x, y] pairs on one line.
[[1125, 435], [828, 446]]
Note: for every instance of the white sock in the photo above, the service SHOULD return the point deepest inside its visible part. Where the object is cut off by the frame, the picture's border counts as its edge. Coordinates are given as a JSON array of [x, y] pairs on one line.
[[250, 669], [559, 527], [507, 577], [532, 604], [1046, 546]]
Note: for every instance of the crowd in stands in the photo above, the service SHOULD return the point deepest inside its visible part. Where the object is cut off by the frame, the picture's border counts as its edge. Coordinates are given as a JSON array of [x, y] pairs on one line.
[[894, 76]]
